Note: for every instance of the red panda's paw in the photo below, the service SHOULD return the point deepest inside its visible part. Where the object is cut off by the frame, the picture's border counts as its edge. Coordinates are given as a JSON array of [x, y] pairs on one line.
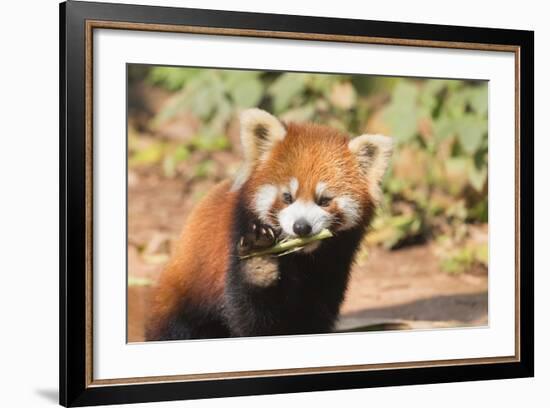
[[258, 236]]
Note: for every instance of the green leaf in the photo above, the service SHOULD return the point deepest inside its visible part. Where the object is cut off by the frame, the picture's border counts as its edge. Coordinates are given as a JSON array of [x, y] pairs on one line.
[[477, 177], [210, 143], [149, 155], [204, 169], [322, 83], [172, 78], [461, 259], [390, 231], [233, 78], [171, 161], [248, 93], [217, 124], [444, 127], [403, 123], [169, 166], [471, 131], [402, 113], [455, 103], [405, 93], [457, 164], [480, 211], [181, 153], [434, 86], [482, 254], [366, 84], [285, 88], [202, 95], [479, 100], [207, 95]]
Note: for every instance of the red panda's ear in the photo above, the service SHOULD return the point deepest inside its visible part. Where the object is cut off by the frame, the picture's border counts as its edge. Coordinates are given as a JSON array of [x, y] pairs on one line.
[[259, 132], [373, 153]]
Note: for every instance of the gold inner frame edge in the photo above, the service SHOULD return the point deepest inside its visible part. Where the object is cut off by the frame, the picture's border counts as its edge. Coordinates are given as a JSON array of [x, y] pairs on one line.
[[100, 24]]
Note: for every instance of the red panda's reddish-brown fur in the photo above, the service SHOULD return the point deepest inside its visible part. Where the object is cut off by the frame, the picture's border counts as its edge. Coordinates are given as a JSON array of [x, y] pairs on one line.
[[203, 291], [196, 271]]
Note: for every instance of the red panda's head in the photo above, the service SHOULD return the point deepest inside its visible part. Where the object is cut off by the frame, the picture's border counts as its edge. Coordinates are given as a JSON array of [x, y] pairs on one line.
[[306, 177]]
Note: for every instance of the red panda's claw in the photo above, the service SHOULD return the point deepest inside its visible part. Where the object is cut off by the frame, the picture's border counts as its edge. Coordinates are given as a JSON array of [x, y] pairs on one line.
[[265, 237], [243, 247], [258, 237]]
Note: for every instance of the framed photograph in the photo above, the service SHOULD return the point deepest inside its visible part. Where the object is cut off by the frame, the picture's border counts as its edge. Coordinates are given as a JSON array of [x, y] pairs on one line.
[[257, 203]]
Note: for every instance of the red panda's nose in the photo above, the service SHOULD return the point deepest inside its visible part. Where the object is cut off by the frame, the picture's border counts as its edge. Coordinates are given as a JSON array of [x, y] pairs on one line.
[[301, 227]]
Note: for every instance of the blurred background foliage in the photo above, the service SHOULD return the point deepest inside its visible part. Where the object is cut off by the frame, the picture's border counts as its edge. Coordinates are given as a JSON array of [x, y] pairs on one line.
[[183, 123]]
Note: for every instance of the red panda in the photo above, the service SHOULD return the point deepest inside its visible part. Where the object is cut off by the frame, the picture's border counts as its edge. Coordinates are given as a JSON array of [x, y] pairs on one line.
[[296, 180]]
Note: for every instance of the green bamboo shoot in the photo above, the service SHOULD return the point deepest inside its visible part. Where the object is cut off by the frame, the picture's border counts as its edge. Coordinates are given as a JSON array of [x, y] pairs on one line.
[[289, 245]]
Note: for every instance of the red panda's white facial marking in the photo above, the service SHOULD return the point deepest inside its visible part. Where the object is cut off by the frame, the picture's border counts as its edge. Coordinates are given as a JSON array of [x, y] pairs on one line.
[[264, 200], [320, 189], [351, 210], [317, 213], [293, 186], [314, 217]]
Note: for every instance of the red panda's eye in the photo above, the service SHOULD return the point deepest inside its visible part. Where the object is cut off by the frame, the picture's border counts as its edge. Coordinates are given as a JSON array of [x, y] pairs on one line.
[[287, 198], [324, 201]]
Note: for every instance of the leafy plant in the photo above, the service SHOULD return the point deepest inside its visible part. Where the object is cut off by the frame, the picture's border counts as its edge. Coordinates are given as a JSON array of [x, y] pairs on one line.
[[440, 127], [438, 179]]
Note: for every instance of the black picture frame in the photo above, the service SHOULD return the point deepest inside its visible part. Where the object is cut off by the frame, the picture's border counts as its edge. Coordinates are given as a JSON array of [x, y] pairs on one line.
[[76, 389]]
